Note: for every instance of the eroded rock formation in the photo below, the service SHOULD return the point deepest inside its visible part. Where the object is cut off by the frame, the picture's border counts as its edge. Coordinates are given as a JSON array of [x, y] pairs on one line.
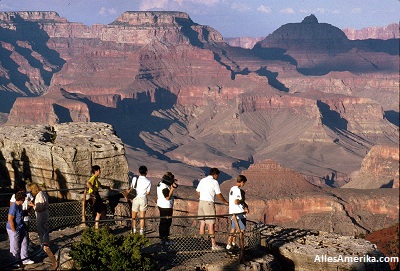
[[61, 156], [379, 169], [303, 250]]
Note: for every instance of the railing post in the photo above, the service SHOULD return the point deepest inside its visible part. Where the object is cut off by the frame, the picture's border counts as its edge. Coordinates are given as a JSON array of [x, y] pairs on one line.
[[84, 208]]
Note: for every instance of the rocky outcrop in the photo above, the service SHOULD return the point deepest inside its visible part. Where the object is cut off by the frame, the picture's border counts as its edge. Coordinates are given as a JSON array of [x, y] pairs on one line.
[[390, 31], [387, 241], [61, 156], [303, 250], [379, 169]]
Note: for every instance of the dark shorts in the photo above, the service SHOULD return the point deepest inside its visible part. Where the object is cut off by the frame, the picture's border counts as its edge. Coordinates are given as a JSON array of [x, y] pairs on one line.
[[98, 204]]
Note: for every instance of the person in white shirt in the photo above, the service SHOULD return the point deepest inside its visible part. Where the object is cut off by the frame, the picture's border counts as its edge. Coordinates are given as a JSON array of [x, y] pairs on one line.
[[41, 207], [207, 189], [165, 203], [139, 203], [238, 209]]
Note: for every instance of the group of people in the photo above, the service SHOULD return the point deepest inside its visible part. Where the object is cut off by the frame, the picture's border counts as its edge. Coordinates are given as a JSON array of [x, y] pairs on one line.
[[18, 224], [207, 189]]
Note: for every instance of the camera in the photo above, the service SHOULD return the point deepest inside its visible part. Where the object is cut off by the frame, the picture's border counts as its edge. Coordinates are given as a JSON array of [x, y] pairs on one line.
[[170, 181]]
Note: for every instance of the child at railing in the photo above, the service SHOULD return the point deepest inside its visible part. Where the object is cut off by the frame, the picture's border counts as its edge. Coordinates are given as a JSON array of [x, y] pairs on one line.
[[238, 209]]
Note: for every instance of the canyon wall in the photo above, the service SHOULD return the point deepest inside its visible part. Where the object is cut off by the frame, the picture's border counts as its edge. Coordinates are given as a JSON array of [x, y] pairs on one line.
[[379, 169], [390, 31]]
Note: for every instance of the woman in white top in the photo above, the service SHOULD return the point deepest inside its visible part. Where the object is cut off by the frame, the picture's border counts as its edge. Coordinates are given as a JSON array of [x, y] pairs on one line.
[[165, 203], [139, 203], [41, 207]]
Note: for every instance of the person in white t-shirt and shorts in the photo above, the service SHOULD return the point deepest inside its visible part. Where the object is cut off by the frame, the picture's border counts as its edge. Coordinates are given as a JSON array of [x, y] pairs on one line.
[[139, 203], [207, 189], [238, 209]]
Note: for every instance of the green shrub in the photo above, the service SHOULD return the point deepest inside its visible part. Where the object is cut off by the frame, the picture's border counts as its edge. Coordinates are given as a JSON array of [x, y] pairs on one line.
[[102, 250]]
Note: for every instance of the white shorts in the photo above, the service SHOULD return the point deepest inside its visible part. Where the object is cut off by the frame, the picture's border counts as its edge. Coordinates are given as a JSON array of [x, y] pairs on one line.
[[139, 204]]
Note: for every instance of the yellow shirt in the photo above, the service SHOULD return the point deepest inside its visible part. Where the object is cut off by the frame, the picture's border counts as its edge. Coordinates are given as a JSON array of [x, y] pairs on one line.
[[94, 181]]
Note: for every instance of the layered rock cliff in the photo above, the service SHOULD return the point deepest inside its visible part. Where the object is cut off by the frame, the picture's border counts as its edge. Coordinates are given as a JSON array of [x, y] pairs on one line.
[[379, 169], [390, 31], [61, 156]]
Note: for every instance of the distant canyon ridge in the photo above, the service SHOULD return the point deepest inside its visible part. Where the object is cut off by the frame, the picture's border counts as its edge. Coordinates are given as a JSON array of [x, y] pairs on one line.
[[306, 98], [388, 32]]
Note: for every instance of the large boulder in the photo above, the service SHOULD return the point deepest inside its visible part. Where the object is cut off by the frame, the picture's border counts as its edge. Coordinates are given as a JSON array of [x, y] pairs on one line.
[[303, 250], [61, 156]]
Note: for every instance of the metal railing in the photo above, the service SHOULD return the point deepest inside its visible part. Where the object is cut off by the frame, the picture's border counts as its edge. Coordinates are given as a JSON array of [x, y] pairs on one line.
[[189, 248]]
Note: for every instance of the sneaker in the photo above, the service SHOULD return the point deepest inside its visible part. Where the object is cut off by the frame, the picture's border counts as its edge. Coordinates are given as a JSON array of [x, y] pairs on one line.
[[216, 248], [28, 262], [228, 247], [134, 230], [233, 244], [141, 232]]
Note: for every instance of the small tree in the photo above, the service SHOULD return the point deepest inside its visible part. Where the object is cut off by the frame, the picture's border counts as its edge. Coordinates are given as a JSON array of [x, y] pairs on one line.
[[101, 250]]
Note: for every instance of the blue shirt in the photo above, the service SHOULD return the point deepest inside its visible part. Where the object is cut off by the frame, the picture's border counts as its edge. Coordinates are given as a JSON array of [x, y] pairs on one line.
[[18, 213]]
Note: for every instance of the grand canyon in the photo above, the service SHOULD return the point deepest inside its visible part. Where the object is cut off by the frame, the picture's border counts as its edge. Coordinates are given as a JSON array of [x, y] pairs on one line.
[[310, 113]]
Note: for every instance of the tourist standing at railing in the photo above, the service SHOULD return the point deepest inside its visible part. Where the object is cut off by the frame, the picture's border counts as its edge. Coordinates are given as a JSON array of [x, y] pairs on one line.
[[237, 205], [93, 186], [17, 231], [25, 208], [165, 204], [139, 203], [207, 189], [41, 207]]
